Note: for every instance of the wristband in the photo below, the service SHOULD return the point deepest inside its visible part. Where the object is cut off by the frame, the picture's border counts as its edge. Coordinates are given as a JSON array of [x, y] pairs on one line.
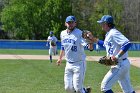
[[118, 56]]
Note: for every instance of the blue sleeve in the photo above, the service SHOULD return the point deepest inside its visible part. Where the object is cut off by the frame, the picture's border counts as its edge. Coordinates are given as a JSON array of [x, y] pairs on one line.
[[86, 47], [100, 43], [62, 47], [126, 46]]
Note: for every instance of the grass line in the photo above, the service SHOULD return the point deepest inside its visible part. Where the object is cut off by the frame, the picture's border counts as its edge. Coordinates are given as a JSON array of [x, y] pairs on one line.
[[45, 52]]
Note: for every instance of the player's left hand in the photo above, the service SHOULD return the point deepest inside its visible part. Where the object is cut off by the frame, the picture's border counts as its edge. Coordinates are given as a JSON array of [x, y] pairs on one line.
[[88, 36], [107, 61]]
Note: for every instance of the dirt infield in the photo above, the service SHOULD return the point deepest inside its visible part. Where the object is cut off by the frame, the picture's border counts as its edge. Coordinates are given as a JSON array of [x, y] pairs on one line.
[[134, 60]]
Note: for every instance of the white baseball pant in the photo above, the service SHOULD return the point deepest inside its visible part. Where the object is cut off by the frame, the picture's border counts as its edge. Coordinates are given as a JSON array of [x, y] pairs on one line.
[[74, 77], [118, 73]]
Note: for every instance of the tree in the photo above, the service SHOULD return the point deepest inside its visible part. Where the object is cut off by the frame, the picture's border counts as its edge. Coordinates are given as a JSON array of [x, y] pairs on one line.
[[106, 7], [33, 19], [57, 11], [131, 19]]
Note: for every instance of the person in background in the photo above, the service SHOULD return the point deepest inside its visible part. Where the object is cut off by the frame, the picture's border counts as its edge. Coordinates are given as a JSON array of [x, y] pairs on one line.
[[97, 48], [52, 40]]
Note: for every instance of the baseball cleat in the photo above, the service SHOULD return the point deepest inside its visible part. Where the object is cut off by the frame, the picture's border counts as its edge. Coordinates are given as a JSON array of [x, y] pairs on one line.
[[88, 89]]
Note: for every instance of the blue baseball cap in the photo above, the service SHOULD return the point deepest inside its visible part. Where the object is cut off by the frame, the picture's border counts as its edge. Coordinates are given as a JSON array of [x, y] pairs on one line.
[[106, 18], [71, 18], [51, 33]]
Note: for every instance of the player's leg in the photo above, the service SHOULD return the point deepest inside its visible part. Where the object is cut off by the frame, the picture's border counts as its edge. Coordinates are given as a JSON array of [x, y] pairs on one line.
[[124, 80], [78, 77], [54, 50], [99, 50], [109, 80], [50, 54], [118, 74], [68, 79], [109, 91], [126, 85]]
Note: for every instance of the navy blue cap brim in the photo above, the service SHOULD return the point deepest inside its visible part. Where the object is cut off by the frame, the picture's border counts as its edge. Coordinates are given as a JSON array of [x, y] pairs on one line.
[[70, 21]]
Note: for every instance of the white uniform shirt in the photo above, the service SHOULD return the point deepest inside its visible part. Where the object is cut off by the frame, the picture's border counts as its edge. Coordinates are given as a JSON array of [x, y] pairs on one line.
[[113, 42], [73, 44], [52, 39]]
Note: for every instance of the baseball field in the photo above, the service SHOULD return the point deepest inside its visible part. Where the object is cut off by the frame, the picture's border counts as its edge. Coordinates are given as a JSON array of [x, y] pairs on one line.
[[21, 75]]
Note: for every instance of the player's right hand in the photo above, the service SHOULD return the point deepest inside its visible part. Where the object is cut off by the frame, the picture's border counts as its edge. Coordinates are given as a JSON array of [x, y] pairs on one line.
[[59, 61]]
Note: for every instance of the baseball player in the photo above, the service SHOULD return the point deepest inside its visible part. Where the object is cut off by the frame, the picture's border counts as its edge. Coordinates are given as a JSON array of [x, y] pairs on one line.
[[52, 45], [97, 48], [73, 48], [116, 45]]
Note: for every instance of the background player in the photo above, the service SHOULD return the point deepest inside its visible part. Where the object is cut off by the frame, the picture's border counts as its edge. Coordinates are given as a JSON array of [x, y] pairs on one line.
[[97, 48], [116, 45], [73, 48], [52, 45]]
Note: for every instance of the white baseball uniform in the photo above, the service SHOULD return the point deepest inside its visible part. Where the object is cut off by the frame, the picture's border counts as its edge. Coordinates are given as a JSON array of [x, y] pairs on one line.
[[52, 49], [73, 46], [97, 48], [113, 43]]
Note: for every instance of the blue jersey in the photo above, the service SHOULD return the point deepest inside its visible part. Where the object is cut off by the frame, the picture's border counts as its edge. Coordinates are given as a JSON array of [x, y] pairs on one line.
[[73, 45], [114, 41]]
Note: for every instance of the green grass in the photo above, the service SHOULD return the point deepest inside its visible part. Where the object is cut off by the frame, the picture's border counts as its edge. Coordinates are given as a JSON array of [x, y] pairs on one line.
[[45, 52], [24, 51], [40, 76], [24, 76]]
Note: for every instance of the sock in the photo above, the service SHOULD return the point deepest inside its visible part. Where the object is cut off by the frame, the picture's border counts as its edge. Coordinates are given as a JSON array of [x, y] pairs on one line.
[[51, 58], [109, 91]]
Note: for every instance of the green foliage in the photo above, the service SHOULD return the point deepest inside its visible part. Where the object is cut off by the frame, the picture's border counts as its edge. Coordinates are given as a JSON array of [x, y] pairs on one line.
[[88, 12], [106, 7], [57, 11], [33, 19]]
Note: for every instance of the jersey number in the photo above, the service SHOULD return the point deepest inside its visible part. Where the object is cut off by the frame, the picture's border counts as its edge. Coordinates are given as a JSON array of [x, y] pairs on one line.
[[110, 51], [74, 48]]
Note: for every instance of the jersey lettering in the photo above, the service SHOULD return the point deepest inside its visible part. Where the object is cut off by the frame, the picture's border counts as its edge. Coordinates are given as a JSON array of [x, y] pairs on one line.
[[69, 41]]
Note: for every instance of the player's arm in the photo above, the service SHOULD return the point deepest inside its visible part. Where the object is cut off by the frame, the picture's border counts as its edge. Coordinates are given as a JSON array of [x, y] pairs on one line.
[[48, 39], [124, 49], [123, 42], [47, 44], [90, 46], [100, 43], [61, 56]]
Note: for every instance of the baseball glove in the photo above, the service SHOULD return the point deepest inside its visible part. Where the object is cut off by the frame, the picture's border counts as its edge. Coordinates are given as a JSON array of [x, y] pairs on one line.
[[53, 43], [88, 36], [107, 61]]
